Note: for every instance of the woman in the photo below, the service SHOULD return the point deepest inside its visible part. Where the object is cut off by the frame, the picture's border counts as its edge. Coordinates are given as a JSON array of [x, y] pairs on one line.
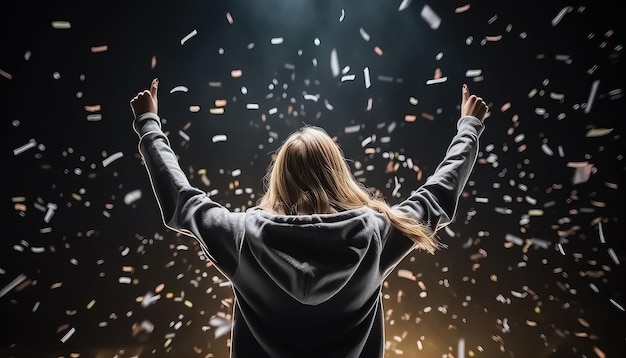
[[307, 264]]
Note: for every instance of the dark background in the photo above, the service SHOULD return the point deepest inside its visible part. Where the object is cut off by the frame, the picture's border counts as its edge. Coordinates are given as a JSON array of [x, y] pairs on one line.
[[534, 266]]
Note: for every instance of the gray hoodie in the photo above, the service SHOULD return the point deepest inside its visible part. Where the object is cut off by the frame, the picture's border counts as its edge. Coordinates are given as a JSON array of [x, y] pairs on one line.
[[305, 285]]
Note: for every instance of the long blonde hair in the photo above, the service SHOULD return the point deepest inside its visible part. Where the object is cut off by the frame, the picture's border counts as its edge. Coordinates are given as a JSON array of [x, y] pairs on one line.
[[310, 175]]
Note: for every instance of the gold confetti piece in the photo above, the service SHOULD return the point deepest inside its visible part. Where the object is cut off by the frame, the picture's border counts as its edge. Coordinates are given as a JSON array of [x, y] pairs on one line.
[[61, 25], [493, 277], [461, 9], [217, 110], [599, 352], [583, 322], [598, 132], [428, 116], [389, 167], [535, 212], [91, 304], [93, 108], [31, 144], [531, 323], [599, 204], [493, 38], [98, 49], [6, 75], [403, 273], [188, 303]]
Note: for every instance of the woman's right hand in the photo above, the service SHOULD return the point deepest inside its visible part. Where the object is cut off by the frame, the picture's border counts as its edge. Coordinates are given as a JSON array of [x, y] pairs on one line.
[[146, 101]]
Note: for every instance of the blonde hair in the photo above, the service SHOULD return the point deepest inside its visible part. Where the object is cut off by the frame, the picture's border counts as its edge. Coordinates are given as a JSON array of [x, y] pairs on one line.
[[310, 175]]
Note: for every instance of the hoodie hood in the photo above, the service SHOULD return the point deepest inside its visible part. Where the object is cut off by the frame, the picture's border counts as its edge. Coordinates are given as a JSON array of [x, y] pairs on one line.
[[311, 257]]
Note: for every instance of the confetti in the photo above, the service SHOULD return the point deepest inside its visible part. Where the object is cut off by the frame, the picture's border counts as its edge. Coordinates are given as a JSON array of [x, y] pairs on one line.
[[5, 74], [592, 95], [404, 5], [31, 144], [462, 9], [61, 25], [433, 20], [219, 138], [557, 19], [598, 132], [68, 335], [438, 80], [111, 158], [132, 196], [188, 36], [179, 89], [582, 171], [94, 117], [473, 73], [334, 63], [98, 49], [347, 78], [364, 34]]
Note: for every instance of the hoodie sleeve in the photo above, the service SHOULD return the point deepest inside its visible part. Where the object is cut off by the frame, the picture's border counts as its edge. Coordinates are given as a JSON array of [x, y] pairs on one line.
[[435, 202], [184, 208]]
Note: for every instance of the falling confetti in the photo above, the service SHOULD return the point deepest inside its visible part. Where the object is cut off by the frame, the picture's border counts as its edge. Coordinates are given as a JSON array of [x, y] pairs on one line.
[[533, 263]]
